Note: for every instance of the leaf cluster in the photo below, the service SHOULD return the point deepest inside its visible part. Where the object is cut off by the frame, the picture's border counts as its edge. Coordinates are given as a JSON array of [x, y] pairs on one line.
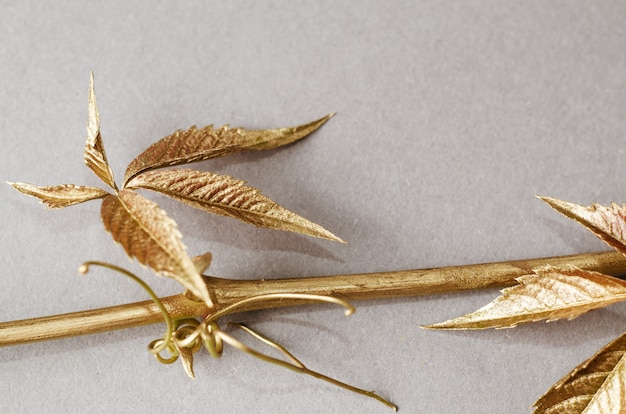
[[146, 232], [144, 229]]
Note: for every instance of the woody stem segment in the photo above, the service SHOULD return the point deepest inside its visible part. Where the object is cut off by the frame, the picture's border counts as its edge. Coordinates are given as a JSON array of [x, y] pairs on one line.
[[347, 287]]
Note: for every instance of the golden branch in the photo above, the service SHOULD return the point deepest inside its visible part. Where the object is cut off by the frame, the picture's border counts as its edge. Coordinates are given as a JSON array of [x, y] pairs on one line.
[[347, 287]]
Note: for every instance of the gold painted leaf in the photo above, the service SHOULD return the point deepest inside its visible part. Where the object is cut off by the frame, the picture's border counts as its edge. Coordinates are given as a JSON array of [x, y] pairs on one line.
[[608, 223], [148, 234], [548, 294], [221, 194], [193, 144], [59, 196], [598, 385], [94, 156]]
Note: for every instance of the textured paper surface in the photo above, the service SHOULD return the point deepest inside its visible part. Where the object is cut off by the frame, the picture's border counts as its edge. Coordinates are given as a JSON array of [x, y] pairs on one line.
[[450, 118]]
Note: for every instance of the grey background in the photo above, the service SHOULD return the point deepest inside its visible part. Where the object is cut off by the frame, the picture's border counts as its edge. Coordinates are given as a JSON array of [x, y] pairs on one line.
[[451, 116]]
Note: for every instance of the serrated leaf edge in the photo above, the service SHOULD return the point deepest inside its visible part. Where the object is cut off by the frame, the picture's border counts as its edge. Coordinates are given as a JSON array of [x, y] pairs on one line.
[[283, 219], [50, 201], [195, 283], [94, 155], [472, 321]]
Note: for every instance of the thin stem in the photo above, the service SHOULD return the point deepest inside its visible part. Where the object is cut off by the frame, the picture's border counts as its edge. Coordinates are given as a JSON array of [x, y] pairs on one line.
[[270, 297], [166, 316], [346, 287], [299, 367], [294, 361], [275, 297]]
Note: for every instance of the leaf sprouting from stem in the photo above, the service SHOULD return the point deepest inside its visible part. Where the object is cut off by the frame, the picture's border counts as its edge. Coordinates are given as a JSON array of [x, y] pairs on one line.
[[94, 156], [548, 294], [202, 262], [598, 385], [608, 223], [148, 234], [59, 196], [193, 144], [221, 194]]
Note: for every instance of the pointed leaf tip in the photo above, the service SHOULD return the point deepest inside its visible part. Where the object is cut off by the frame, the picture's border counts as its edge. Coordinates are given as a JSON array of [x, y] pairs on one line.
[[202, 262], [94, 156], [274, 138], [186, 357], [606, 222]]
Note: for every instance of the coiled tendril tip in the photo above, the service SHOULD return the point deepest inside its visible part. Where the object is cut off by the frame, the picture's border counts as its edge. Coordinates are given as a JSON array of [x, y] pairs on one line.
[[186, 336]]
